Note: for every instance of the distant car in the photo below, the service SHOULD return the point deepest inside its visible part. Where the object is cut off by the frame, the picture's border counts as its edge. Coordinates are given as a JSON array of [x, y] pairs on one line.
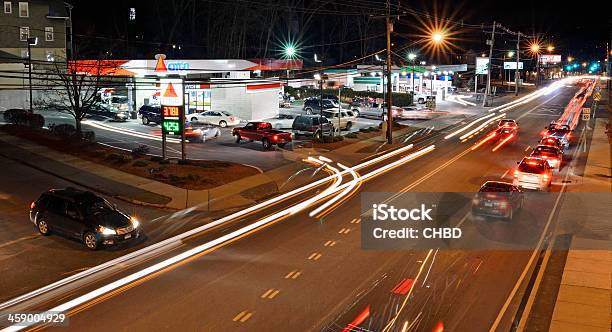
[[497, 199], [379, 111], [217, 118], [533, 173], [552, 154], [343, 120], [108, 111], [563, 134], [420, 97], [201, 134], [314, 106], [150, 114], [282, 121], [84, 216], [310, 125], [415, 113], [262, 132], [507, 123], [552, 141]]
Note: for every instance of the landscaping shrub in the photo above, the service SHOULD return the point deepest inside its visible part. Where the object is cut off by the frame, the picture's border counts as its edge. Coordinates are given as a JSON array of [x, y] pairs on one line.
[[118, 157], [36, 121], [184, 162], [63, 131], [164, 161], [89, 136], [351, 135], [156, 158], [140, 163], [140, 150]]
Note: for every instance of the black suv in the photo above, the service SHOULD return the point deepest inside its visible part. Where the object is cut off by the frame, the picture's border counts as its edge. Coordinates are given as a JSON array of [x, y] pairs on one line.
[[84, 216], [150, 114], [313, 106], [309, 125]]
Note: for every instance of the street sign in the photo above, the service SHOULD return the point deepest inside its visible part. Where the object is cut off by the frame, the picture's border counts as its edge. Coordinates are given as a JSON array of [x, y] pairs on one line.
[[482, 66], [512, 65], [550, 58], [586, 110], [586, 116], [597, 96]]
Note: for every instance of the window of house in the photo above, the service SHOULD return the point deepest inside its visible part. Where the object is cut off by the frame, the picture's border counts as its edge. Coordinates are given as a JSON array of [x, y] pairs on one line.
[[49, 33], [24, 9], [24, 33], [8, 7]]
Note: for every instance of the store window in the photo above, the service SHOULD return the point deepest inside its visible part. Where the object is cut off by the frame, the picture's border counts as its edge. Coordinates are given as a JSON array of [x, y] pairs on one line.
[[24, 9], [24, 33], [49, 34], [8, 7]]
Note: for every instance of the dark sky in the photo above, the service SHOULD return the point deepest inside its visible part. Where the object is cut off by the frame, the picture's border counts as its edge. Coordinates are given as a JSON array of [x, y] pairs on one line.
[[580, 29]]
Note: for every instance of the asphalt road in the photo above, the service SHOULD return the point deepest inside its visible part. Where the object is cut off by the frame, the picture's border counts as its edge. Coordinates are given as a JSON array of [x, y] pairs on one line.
[[306, 274]]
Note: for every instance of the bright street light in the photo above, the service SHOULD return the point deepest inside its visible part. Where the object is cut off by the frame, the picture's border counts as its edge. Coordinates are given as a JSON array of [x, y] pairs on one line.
[[535, 48], [412, 56], [290, 51], [550, 48], [570, 59], [510, 54], [437, 37], [317, 77]]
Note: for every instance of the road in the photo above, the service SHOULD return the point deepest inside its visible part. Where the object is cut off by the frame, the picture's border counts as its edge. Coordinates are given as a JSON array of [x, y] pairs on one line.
[[308, 274]]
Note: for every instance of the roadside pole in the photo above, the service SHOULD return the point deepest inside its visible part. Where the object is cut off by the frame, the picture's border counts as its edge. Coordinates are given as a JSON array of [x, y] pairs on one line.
[[389, 83], [488, 88], [517, 73], [182, 119], [339, 107]]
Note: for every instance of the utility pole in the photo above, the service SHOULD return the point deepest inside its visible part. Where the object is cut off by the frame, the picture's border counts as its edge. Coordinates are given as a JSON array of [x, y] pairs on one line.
[[488, 89], [389, 83], [517, 72], [182, 119]]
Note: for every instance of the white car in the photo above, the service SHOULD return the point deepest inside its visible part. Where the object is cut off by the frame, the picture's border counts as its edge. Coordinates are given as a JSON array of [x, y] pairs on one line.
[[217, 118], [282, 121], [343, 120], [533, 173]]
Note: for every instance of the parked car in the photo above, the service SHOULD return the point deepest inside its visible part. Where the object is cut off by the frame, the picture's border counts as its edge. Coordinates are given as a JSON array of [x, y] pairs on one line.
[[343, 120], [262, 132], [314, 106], [497, 199], [84, 216], [217, 118], [282, 121], [201, 134], [310, 125], [108, 111], [150, 113]]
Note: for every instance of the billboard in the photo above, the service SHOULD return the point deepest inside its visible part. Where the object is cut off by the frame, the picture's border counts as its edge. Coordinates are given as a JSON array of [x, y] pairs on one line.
[[482, 66], [550, 58], [512, 65]]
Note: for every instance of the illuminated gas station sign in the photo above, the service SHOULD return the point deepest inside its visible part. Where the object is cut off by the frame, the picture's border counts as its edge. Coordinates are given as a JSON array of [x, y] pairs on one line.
[[172, 106], [171, 120]]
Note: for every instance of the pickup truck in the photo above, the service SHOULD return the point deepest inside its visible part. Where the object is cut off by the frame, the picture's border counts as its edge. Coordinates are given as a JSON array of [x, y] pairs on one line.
[[262, 132]]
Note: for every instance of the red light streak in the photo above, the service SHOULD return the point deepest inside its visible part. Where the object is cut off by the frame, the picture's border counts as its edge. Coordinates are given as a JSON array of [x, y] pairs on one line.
[[504, 141]]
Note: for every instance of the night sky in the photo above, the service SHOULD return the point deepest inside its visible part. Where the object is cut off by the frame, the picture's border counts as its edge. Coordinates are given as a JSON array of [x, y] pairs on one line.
[[580, 30]]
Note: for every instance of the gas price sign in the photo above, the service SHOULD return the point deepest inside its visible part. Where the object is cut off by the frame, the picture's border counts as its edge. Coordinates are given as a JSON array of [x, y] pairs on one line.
[[171, 120]]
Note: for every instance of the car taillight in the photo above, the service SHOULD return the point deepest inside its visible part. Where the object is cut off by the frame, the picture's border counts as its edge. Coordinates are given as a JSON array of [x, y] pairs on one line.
[[545, 177], [516, 174], [33, 205], [275, 137], [503, 204]]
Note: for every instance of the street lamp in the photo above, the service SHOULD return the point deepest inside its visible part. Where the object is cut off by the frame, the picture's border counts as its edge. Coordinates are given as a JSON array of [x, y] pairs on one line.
[[570, 59], [32, 41], [550, 48], [437, 37], [510, 54]]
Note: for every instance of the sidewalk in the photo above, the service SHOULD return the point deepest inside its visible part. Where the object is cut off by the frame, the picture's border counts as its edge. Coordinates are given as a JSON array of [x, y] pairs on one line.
[[583, 302]]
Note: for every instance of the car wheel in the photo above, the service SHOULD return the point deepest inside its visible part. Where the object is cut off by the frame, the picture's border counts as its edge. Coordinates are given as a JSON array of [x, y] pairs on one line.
[[145, 120], [90, 241], [421, 101], [356, 113], [222, 124], [194, 119], [238, 138], [348, 125], [266, 144], [308, 111], [43, 227]]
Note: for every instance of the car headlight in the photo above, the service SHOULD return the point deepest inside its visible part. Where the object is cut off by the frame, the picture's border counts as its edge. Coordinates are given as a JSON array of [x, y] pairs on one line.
[[106, 231], [135, 222]]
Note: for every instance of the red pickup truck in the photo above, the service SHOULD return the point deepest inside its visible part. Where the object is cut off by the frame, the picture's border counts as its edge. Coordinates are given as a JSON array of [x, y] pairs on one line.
[[262, 132]]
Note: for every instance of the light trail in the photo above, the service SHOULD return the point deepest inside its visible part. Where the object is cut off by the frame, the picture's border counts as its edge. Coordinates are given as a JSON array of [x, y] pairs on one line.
[[483, 141], [504, 141], [347, 190], [484, 124], [459, 131]]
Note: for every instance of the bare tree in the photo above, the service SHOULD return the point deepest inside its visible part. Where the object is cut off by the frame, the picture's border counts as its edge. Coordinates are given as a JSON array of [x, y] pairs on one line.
[[73, 86]]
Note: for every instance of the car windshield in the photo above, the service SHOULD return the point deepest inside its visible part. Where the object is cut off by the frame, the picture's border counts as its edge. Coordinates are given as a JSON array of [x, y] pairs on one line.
[[531, 167], [97, 206], [544, 153]]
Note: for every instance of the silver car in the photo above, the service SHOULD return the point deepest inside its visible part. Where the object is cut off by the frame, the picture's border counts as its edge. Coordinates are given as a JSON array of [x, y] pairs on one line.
[[343, 119]]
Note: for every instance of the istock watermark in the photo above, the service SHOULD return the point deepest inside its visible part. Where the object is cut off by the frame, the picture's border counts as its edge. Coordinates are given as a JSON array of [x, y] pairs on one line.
[[480, 221]]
